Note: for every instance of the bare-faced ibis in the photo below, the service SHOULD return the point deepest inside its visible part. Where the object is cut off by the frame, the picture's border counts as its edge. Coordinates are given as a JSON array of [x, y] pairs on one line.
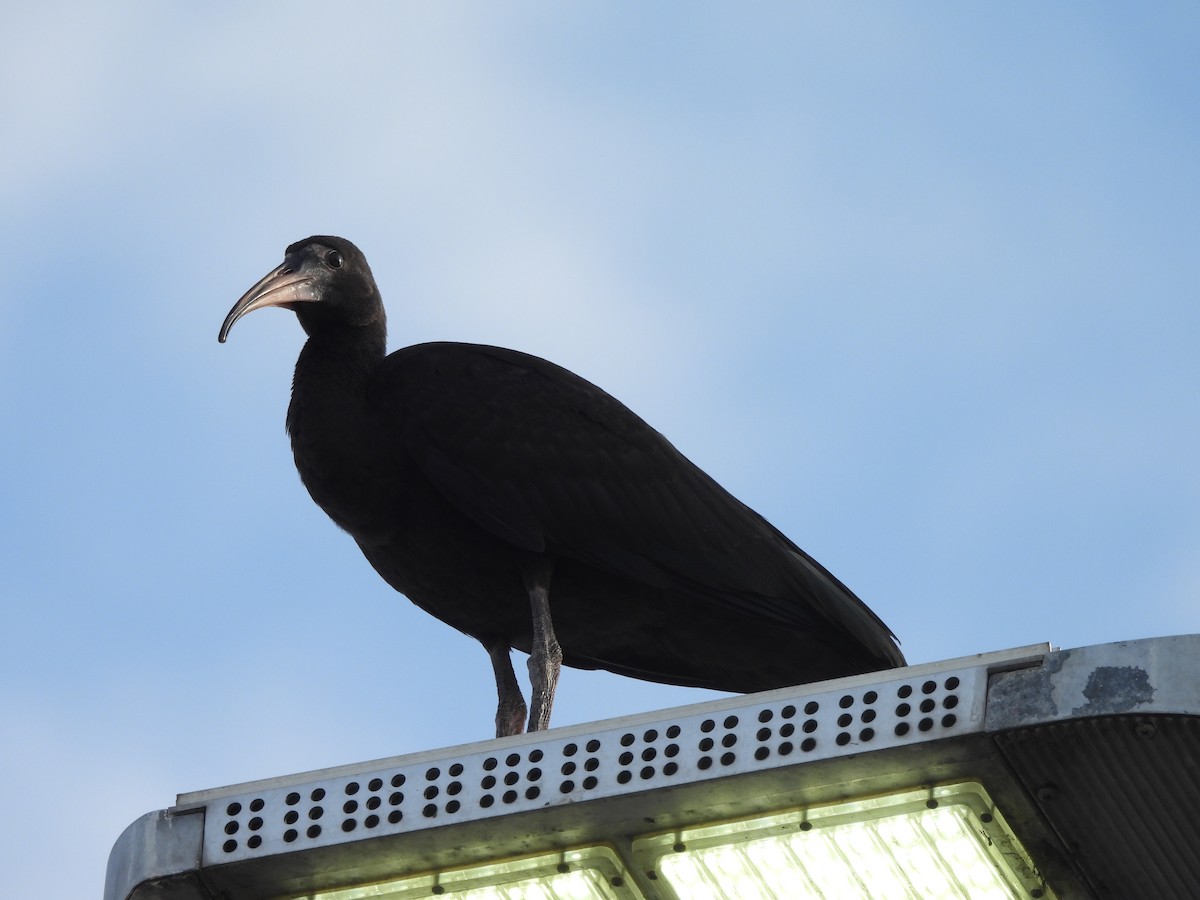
[[526, 507]]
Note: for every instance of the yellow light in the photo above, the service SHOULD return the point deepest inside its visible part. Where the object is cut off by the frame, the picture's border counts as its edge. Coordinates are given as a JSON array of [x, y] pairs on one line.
[[944, 844]]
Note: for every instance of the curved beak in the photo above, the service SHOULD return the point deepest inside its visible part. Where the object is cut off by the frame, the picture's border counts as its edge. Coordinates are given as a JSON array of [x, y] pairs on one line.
[[282, 286]]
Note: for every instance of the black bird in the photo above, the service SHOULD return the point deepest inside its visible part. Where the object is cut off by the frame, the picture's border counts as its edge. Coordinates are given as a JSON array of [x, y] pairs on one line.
[[527, 508]]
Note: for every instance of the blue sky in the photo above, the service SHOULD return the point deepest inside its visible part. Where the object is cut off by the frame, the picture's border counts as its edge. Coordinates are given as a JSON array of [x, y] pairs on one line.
[[917, 283]]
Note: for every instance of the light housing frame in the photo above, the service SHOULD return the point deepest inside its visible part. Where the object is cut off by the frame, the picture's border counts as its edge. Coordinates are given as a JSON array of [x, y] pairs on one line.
[[1092, 755]]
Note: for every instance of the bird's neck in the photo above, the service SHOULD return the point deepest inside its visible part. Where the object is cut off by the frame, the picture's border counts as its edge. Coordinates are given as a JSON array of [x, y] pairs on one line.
[[332, 374], [339, 360]]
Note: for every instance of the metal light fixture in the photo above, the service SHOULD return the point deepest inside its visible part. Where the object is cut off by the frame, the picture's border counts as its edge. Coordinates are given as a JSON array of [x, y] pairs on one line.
[[1071, 773]]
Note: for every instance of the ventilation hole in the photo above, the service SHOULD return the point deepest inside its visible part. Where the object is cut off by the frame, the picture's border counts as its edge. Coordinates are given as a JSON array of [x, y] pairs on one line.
[[231, 827], [534, 757], [375, 784], [705, 762], [948, 720], [455, 770], [672, 750], [650, 736], [761, 753], [648, 754], [842, 739], [764, 734], [429, 810], [706, 745], [489, 764], [925, 724], [431, 792], [866, 734], [395, 816], [318, 794], [256, 805], [902, 729], [590, 782], [534, 774], [731, 721], [811, 707], [625, 758], [315, 813], [486, 801], [806, 826], [570, 750], [349, 825], [846, 702], [647, 772], [929, 687], [291, 817], [512, 759], [707, 725], [593, 745], [397, 780], [905, 690], [532, 793], [350, 806], [931, 804], [255, 823], [765, 716], [985, 818], [627, 739], [290, 835], [670, 768], [233, 809], [511, 778], [371, 821], [727, 759], [352, 788], [788, 711], [509, 797], [229, 846], [870, 697], [396, 798], [313, 831], [844, 719], [952, 683], [433, 774], [903, 710], [868, 715], [927, 705], [488, 782], [951, 701], [623, 776], [567, 786], [785, 749], [729, 740], [373, 802], [808, 745], [809, 726], [568, 768], [454, 788], [674, 731], [255, 841], [591, 765]]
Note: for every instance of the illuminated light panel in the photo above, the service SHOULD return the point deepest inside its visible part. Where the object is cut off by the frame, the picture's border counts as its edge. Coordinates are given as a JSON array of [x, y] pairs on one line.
[[590, 873], [945, 844]]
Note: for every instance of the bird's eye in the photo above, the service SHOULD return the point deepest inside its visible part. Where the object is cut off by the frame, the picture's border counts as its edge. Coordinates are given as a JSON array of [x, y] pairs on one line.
[[334, 259]]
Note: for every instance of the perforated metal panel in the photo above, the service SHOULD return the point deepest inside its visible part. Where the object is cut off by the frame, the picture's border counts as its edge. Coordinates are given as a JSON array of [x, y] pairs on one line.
[[686, 745]]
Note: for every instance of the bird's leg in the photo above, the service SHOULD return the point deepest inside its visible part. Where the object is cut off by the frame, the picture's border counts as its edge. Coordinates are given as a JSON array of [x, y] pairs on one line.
[[545, 656], [510, 709]]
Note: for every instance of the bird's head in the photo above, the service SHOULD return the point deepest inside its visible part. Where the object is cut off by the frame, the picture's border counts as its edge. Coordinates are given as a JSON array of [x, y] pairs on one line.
[[324, 280]]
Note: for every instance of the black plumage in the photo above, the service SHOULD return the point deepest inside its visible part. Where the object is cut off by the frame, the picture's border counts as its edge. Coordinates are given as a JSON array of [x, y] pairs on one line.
[[527, 508]]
